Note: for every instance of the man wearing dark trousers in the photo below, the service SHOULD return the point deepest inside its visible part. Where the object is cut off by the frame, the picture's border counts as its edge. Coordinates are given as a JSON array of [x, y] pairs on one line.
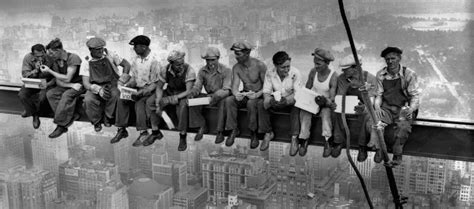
[[279, 94], [63, 97], [251, 72], [180, 78], [100, 76], [349, 79], [145, 68], [397, 100], [31, 98], [216, 79]]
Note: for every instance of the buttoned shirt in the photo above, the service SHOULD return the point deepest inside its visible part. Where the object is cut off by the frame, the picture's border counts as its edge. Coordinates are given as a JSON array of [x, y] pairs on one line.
[[213, 80], [286, 86], [112, 56], [145, 70], [409, 81]]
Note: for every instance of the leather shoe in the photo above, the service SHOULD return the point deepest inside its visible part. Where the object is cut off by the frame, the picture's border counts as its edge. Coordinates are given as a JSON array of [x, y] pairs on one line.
[[304, 147], [327, 150], [155, 135], [230, 140], [121, 133], [200, 133], [140, 139], [219, 137], [266, 141], [36, 122], [336, 150], [253, 140], [362, 155], [23, 114], [182, 142], [58, 131], [294, 145], [378, 156], [97, 127]]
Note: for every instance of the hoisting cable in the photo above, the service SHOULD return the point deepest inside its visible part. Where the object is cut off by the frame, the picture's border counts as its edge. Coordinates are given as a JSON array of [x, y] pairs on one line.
[[368, 104]]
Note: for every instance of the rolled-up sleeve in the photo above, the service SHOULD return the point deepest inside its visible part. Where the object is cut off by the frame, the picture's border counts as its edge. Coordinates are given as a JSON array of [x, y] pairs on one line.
[[199, 80], [267, 84], [84, 71], [413, 89], [155, 72], [227, 84], [379, 84], [191, 75], [298, 80], [26, 66]]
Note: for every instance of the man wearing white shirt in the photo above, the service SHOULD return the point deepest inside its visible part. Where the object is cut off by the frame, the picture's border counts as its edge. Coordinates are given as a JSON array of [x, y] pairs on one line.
[[100, 77], [279, 94]]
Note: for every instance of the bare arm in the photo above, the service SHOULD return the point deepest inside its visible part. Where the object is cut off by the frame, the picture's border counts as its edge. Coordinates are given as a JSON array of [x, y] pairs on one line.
[[235, 81], [332, 87], [126, 66], [71, 70], [159, 92], [189, 87]]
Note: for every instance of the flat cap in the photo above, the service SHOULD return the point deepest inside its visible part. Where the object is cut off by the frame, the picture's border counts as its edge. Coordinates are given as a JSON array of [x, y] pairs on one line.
[[323, 54], [140, 40], [175, 55], [349, 61], [391, 49], [241, 45], [211, 53], [95, 43]]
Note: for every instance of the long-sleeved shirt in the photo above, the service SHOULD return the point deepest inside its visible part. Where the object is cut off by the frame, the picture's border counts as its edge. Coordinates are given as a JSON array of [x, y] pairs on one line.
[[213, 80], [286, 87], [409, 81]]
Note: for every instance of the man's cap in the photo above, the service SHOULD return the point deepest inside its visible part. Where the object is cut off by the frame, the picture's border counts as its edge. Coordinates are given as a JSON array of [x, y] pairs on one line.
[[391, 49], [349, 61], [211, 53], [323, 54], [175, 55], [241, 45], [95, 42], [140, 40]]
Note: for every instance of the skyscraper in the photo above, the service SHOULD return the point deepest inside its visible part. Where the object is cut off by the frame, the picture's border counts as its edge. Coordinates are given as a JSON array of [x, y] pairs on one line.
[[259, 190], [113, 195], [223, 173], [191, 198], [49, 153], [82, 179], [168, 172], [32, 188]]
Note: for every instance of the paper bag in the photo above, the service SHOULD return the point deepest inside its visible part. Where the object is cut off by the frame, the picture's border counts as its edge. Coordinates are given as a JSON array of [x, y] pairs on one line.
[[34, 83], [199, 101]]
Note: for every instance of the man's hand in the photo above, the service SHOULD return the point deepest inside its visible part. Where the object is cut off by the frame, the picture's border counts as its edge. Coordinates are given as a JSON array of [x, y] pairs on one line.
[[359, 108], [240, 96], [104, 92], [44, 68], [76, 86], [332, 105], [158, 108], [321, 101], [124, 78]]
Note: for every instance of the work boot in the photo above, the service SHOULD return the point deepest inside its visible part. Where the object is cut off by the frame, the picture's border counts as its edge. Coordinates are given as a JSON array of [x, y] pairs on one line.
[[362, 155], [304, 147], [155, 135], [23, 114], [140, 139], [219, 137], [97, 127], [327, 149], [266, 141], [182, 142], [378, 156], [336, 150], [121, 133], [253, 140], [396, 160], [294, 145], [230, 140], [200, 133], [36, 122], [58, 131]]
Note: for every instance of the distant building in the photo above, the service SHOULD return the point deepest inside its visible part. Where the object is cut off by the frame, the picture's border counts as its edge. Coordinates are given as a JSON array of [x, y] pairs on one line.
[[168, 172], [82, 179], [145, 193], [49, 153], [12, 152], [32, 188], [191, 198], [259, 190], [225, 173], [113, 195]]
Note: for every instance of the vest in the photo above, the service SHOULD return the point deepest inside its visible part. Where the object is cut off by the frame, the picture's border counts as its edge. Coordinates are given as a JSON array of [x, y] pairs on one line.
[[102, 72], [177, 82]]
